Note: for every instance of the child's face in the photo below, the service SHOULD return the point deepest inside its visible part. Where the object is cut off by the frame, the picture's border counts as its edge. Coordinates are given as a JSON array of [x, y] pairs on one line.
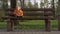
[[18, 8]]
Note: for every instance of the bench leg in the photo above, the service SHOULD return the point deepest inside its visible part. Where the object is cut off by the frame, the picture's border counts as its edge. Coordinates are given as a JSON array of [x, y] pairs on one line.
[[10, 24], [47, 25], [58, 23]]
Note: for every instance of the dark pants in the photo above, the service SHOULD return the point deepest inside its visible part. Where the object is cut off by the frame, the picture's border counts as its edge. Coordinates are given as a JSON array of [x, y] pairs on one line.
[[16, 22]]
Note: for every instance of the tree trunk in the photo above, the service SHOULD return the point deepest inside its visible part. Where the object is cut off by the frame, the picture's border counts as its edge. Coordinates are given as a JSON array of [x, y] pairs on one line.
[[58, 15]]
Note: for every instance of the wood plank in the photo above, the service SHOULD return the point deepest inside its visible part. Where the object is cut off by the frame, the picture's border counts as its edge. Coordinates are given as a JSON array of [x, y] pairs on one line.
[[28, 18], [38, 14], [32, 9], [37, 9]]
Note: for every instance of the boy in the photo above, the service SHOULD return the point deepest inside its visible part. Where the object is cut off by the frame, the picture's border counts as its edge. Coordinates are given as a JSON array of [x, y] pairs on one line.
[[17, 13]]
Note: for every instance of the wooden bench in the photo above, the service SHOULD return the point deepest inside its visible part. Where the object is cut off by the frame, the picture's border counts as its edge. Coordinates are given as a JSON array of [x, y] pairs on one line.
[[46, 14], [32, 14]]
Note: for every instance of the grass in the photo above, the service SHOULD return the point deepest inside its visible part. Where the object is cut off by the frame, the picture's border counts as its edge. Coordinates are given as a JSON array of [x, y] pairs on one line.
[[32, 24], [3, 25]]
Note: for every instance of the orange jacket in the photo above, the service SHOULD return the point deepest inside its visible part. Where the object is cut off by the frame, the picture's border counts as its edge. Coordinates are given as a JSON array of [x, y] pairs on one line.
[[18, 12]]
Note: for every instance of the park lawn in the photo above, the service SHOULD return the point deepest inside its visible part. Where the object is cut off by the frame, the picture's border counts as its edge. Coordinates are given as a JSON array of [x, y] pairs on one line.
[[32, 24]]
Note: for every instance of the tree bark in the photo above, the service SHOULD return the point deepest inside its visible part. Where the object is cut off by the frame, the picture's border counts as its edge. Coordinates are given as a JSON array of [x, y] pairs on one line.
[[58, 15]]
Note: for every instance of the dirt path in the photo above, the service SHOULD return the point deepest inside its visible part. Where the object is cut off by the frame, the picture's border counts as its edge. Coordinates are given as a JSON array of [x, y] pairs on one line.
[[30, 32]]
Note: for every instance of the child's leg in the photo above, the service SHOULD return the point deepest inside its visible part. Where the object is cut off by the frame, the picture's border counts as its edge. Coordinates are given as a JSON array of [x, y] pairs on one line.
[[16, 22]]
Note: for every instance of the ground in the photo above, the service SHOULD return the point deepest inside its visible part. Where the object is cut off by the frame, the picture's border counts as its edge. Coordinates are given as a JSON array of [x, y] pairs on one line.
[[31, 32]]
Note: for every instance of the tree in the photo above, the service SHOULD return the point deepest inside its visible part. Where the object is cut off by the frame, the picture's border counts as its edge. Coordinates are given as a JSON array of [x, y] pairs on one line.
[[58, 8], [3, 6], [35, 4], [30, 4], [41, 4], [45, 3], [25, 5]]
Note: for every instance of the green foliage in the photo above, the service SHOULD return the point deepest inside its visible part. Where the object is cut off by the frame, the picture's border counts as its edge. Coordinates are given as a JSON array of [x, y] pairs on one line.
[[58, 8], [35, 5], [41, 4], [3, 6], [30, 4], [25, 5]]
